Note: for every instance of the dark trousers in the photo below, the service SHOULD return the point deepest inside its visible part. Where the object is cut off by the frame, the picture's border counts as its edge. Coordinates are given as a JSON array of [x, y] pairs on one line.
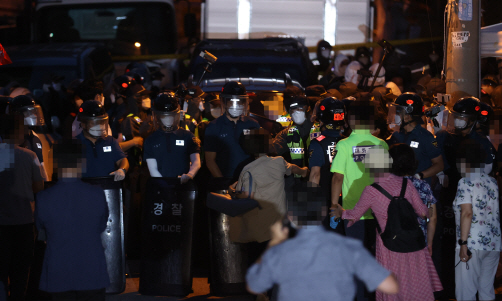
[[90, 295], [365, 231], [16, 253]]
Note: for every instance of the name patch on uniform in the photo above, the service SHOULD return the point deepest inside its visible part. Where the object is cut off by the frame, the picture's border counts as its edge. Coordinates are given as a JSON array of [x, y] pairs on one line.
[[107, 149], [435, 143], [39, 145], [359, 152], [180, 142], [331, 152], [414, 144], [246, 131]]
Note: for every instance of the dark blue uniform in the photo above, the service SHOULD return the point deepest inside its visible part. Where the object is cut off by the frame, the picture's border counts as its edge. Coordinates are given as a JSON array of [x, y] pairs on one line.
[[222, 137], [424, 145], [172, 151], [100, 157], [322, 153], [33, 143]]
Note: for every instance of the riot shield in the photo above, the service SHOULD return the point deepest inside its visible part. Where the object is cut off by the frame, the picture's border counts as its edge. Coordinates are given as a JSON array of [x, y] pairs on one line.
[[166, 249], [113, 237], [229, 260]]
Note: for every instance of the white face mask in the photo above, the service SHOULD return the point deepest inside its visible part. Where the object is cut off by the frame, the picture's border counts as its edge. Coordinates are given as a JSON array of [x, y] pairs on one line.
[[397, 119], [460, 123], [235, 111], [112, 97], [30, 121], [325, 53], [298, 117], [216, 112], [98, 131], [167, 121], [146, 103]]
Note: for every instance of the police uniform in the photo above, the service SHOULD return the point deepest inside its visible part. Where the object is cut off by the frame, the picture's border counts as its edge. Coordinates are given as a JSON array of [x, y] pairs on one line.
[[100, 156], [172, 151], [322, 152], [33, 143], [222, 137], [423, 144], [285, 120]]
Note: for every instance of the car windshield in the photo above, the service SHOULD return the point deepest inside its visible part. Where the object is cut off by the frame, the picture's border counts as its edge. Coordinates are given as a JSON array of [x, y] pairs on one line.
[[126, 28]]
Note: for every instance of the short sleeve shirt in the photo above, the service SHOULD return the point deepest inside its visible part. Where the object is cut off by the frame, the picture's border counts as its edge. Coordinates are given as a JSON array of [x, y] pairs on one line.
[[482, 193], [172, 151], [349, 162], [222, 137], [423, 144], [299, 267], [100, 156]]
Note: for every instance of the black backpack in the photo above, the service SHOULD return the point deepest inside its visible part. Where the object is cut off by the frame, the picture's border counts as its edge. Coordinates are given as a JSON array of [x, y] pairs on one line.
[[402, 231]]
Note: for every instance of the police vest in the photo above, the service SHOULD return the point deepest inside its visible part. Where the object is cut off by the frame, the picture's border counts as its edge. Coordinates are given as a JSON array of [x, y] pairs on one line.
[[285, 120], [296, 147]]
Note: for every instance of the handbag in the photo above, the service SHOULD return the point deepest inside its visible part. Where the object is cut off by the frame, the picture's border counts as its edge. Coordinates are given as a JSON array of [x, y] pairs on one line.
[[229, 205]]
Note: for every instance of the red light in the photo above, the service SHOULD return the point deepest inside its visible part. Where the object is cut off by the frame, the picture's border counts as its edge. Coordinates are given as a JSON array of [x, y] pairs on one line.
[[125, 85], [127, 70], [477, 108], [484, 113], [409, 101], [80, 110], [338, 116], [323, 108], [423, 109]]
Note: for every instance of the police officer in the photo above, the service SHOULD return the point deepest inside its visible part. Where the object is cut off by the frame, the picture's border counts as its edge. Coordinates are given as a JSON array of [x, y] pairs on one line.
[[171, 151], [293, 142], [331, 114], [290, 91], [221, 143], [33, 116], [102, 152], [407, 112]]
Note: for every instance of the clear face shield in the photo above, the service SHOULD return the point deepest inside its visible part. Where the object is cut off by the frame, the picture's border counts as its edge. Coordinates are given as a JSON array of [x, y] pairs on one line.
[[97, 127], [236, 105], [457, 122], [396, 114], [167, 121], [33, 116]]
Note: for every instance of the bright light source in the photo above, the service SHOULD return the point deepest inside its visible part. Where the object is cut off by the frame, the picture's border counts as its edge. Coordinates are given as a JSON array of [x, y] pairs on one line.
[[243, 19], [137, 44], [51, 35], [121, 18], [330, 21]]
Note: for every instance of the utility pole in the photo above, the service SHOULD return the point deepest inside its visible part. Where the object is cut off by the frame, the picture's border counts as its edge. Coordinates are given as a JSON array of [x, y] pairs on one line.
[[462, 48]]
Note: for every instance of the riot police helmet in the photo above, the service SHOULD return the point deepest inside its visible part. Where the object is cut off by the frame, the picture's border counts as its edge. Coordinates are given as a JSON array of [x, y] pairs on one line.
[[166, 112], [406, 104], [485, 114], [24, 104], [235, 98], [331, 112], [464, 115], [93, 118]]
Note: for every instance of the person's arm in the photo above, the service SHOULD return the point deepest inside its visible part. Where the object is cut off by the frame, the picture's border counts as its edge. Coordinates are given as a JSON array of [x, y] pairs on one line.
[[120, 173], [465, 228], [416, 202], [212, 166], [44, 172], [389, 285], [194, 168], [37, 180], [436, 167], [315, 175], [279, 144], [365, 201], [126, 145], [431, 226], [336, 188], [153, 168], [302, 171]]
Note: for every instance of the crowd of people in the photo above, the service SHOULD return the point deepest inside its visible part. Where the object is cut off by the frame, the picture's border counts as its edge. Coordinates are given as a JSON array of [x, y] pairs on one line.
[[357, 155]]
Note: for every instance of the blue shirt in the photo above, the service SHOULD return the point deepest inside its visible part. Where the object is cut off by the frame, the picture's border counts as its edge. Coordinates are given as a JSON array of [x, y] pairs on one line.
[[172, 151], [316, 152], [316, 265], [73, 214], [222, 137], [101, 156], [423, 144]]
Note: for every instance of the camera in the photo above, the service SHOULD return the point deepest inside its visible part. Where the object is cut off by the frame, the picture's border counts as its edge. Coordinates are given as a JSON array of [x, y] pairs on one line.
[[211, 59], [434, 111]]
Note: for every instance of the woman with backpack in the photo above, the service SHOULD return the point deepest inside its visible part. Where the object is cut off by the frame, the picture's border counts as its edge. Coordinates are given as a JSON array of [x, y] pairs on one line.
[[395, 202]]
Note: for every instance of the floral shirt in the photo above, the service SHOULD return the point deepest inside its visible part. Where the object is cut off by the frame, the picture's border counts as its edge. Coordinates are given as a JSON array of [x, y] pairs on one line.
[[482, 192], [425, 192]]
